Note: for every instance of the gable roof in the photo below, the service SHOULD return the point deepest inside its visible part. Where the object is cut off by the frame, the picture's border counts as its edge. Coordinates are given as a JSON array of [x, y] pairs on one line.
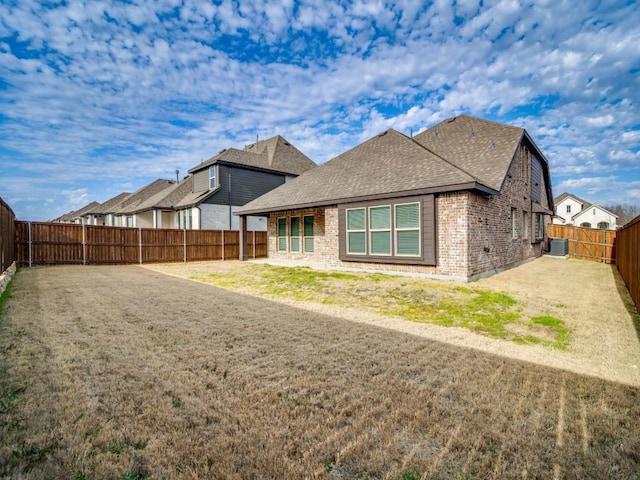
[[388, 164], [167, 198], [131, 203], [585, 204], [482, 148], [108, 206], [274, 154], [71, 216]]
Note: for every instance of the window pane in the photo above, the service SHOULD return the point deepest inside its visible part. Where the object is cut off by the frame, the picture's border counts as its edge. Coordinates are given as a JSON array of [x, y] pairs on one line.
[[380, 243], [308, 244], [380, 218], [356, 242], [295, 226], [408, 242], [355, 219], [308, 226], [282, 227], [282, 244], [408, 215], [295, 244]]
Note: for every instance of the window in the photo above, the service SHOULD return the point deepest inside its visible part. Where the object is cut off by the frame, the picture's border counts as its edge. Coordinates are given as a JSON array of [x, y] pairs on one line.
[[282, 234], [295, 234], [568, 208], [603, 225], [380, 230], [308, 233], [185, 218], [407, 229], [129, 221], [525, 225], [514, 233], [212, 177], [356, 231], [539, 226], [585, 225]]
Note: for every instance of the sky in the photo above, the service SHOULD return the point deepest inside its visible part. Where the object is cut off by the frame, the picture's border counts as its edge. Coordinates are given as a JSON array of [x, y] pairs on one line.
[[100, 97]]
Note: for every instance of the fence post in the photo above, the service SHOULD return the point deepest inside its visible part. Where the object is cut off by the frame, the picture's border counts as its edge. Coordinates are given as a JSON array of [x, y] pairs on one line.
[[184, 243], [223, 244], [29, 244], [84, 244], [254, 244], [140, 243]]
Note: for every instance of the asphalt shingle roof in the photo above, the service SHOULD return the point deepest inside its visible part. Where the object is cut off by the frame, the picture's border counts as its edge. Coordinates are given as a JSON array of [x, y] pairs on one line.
[[132, 203], [388, 163], [275, 154]]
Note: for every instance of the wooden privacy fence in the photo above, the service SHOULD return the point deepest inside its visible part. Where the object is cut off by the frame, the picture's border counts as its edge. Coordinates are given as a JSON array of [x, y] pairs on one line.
[[40, 243], [587, 243], [628, 257], [7, 235]]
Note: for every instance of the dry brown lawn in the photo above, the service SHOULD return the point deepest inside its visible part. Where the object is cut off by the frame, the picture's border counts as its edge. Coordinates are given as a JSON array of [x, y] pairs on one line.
[[124, 373]]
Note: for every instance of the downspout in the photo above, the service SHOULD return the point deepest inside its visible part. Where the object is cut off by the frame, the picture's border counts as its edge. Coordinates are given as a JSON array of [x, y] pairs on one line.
[[229, 194]]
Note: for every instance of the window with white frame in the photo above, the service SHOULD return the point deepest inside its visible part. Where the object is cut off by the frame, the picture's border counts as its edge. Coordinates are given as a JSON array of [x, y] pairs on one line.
[[568, 208], [407, 229], [308, 238], [539, 226], [212, 177], [356, 231], [282, 234], [380, 230], [525, 224], [514, 232]]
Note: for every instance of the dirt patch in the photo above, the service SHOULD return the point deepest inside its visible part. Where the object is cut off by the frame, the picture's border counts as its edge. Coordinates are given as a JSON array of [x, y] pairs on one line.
[[122, 372], [584, 295]]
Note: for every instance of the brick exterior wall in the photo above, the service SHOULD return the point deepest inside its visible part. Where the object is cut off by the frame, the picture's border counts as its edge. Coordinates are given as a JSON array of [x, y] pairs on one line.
[[467, 225]]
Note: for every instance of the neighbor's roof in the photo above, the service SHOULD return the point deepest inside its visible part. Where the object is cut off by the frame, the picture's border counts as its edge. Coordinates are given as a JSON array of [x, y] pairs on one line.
[[109, 205], [482, 148], [167, 198], [274, 154], [71, 216], [131, 203], [585, 204], [389, 163]]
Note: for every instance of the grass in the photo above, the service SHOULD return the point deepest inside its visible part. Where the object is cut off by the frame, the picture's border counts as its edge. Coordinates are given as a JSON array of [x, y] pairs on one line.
[[486, 312], [270, 391]]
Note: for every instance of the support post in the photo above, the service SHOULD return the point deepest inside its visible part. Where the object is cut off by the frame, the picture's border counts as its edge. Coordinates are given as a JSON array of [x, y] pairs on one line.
[[140, 244], [84, 243], [184, 243], [243, 238], [29, 240]]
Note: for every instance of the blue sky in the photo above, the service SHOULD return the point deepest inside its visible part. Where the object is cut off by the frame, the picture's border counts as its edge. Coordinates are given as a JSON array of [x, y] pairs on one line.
[[100, 97]]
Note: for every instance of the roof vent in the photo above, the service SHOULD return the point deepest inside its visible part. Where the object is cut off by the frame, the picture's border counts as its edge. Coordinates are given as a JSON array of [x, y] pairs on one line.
[[493, 146], [222, 151], [451, 120], [383, 133]]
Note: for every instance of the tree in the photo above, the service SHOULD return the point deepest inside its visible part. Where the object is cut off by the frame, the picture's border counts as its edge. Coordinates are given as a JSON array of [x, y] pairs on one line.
[[626, 212]]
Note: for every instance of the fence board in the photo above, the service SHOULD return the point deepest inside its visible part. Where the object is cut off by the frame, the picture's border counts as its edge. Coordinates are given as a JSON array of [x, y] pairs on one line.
[[628, 258], [39, 243], [7, 234], [587, 243]]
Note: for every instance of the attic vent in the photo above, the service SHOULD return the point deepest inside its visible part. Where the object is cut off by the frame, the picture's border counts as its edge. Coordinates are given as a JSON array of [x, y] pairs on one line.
[[493, 146], [286, 143], [472, 134]]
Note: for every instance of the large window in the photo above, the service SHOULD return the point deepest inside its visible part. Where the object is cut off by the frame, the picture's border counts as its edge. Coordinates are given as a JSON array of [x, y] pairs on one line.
[[308, 233], [282, 234], [525, 224], [375, 231], [539, 226], [514, 232]]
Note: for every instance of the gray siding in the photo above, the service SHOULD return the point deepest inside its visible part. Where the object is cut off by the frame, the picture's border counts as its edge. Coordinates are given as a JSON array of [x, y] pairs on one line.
[[536, 179], [238, 186], [201, 181], [216, 217]]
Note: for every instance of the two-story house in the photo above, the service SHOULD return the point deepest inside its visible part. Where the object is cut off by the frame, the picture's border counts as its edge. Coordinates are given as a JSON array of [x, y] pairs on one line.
[[572, 210], [234, 177]]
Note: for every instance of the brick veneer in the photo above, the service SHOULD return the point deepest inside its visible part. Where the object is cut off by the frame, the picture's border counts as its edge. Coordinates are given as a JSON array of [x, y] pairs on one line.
[[467, 226]]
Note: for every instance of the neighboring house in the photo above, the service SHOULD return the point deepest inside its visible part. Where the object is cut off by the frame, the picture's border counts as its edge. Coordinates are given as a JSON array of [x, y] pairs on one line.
[[130, 211], [572, 210], [234, 177], [77, 216], [463, 199], [97, 215]]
